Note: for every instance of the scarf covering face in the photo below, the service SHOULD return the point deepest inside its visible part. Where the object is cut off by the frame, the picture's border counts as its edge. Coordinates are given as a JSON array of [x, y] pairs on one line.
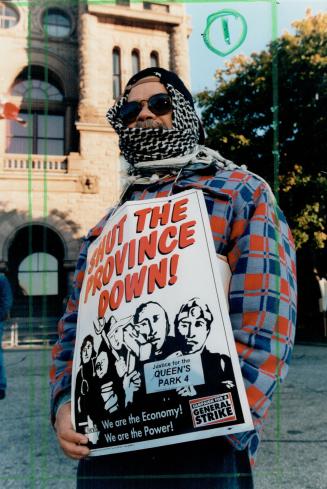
[[148, 144]]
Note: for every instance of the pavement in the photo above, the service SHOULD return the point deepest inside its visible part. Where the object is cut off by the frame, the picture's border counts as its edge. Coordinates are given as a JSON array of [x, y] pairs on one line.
[[293, 451]]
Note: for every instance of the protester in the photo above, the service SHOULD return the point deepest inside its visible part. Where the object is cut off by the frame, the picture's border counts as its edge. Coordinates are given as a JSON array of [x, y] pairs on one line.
[[6, 300], [161, 139]]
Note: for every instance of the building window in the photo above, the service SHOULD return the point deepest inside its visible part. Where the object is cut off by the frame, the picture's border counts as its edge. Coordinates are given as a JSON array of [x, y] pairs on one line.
[[154, 59], [43, 135], [57, 23], [45, 129], [8, 16], [135, 61], [38, 274], [116, 73], [36, 90]]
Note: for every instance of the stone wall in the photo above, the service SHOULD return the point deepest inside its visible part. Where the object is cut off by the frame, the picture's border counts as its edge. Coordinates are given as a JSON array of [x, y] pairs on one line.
[[83, 63]]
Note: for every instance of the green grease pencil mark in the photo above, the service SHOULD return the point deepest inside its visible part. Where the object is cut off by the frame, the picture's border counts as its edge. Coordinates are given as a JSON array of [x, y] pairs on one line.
[[226, 30], [224, 15]]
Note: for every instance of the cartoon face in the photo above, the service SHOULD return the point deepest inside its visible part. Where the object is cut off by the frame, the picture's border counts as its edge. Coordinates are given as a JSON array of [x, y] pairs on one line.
[[193, 330], [87, 352], [152, 324], [101, 365], [116, 338]]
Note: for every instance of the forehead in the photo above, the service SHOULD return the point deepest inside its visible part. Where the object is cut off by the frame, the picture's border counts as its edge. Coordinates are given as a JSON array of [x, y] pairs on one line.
[[146, 90], [194, 312], [151, 310]]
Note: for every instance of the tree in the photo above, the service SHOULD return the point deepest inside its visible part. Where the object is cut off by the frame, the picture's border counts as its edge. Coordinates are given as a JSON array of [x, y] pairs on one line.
[[239, 122]]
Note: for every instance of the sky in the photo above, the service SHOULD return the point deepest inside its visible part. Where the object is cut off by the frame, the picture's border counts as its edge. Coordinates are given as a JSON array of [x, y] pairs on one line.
[[258, 18]]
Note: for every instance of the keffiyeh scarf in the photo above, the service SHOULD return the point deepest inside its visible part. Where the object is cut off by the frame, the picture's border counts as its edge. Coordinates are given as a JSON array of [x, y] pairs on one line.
[[148, 144]]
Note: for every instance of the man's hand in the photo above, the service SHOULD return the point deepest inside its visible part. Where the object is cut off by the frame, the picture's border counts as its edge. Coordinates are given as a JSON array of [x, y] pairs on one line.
[[70, 441]]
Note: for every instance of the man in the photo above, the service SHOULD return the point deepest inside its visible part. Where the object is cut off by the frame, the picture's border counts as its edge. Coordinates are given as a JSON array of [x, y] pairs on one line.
[[161, 138], [6, 301], [151, 321], [192, 328]]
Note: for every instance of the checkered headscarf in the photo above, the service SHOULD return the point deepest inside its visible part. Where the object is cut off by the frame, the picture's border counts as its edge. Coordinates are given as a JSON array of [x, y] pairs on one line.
[[148, 144]]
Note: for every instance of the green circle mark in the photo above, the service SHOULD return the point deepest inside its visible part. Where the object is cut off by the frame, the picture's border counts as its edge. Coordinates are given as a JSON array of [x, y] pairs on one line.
[[221, 15]]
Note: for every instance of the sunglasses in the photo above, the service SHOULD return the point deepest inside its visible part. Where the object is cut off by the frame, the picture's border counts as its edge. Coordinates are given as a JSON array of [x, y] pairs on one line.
[[158, 104]]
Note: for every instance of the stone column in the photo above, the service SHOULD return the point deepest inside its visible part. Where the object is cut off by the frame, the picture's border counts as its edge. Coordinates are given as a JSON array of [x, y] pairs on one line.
[[88, 57], [179, 53]]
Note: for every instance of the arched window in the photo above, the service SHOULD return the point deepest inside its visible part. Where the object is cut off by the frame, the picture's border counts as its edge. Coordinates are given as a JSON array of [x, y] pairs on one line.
[[116, 73], [8, 16], [36, 266], [38, 274], [36, 90], [45, 129], [154, 59], [56, 22], [135, 61]]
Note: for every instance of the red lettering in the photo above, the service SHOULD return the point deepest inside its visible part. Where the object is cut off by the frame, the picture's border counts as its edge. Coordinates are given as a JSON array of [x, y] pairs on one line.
[[88, 287], [103, 303], [110, 240], [92, 261], [100, 254], [120, 258], [163, 247], [157, 275], [173, 269], [116, 295], [97, 284], [134, 284], [120, 227], [108, 270], [178, 210], [160, 215], [141, 216], [185, 234], [148, 247], [131, 254]]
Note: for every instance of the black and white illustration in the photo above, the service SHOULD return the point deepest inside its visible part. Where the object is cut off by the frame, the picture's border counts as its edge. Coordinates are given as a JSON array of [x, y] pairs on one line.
[[155, 360]]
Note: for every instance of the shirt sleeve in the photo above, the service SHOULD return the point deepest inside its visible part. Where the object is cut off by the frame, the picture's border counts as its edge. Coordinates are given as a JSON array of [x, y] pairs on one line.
[[63, 350], [262, 303]]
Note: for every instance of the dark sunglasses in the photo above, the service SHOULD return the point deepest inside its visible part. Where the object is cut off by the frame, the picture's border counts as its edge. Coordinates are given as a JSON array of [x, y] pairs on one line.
[[158, 104]]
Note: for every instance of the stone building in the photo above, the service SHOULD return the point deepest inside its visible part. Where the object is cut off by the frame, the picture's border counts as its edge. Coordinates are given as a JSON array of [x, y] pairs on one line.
[[64, 63]]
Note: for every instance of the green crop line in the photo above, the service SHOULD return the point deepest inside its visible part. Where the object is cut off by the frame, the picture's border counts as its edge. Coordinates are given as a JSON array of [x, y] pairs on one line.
[[275, 151], [30, 249]]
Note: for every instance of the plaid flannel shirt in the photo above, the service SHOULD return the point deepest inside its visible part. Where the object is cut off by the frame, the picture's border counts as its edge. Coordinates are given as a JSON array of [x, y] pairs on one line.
[[251, 231]]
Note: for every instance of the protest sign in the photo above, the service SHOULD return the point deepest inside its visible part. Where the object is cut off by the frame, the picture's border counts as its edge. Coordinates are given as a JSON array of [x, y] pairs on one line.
[[155, 360]]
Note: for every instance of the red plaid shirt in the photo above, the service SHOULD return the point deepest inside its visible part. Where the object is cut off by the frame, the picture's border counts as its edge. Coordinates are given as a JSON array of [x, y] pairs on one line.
[[251, 231]]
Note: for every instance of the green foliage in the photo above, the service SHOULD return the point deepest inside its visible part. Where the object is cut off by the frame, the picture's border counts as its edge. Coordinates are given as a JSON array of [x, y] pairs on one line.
[[238, 117]]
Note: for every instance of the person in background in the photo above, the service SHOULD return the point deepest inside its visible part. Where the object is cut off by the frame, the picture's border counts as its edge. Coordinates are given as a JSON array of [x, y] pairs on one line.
[[6, 300]]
